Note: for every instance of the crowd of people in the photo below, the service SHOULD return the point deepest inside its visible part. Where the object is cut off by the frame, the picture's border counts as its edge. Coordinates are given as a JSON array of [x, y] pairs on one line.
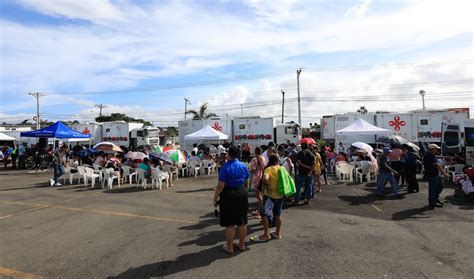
[[304, 167], [308, 166]]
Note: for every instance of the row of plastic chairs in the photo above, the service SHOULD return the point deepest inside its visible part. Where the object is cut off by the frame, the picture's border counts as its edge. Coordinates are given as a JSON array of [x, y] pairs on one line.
[[194, 168]]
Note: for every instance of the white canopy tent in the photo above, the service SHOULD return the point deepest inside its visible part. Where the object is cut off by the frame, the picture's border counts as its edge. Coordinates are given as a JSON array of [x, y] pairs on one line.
[[362, 127], [4, 137], [206, 133], [360, 130]]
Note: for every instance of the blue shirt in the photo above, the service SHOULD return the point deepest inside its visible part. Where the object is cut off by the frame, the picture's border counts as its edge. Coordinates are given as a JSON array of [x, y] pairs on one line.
[[234, 173], [21, 150]]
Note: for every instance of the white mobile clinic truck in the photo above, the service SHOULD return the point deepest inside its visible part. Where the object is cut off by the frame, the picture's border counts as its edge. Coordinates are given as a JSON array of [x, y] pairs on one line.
[[255, 131], [420, 126], [121, 133]]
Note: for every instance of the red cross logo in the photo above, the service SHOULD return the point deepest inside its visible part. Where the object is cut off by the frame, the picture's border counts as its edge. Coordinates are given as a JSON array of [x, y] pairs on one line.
[[86, 131], [396, 123], [217, 127]]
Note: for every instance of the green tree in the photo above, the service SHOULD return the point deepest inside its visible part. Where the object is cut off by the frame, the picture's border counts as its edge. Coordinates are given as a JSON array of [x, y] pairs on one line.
[[120, 117], [172, 131], [362, 110], [202, 114]]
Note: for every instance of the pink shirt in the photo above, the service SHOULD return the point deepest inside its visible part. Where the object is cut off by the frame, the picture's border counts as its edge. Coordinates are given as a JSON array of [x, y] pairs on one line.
[[395, 155]]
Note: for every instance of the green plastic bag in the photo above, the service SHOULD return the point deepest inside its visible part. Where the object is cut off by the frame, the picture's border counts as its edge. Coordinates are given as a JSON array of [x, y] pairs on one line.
[[286, 184]]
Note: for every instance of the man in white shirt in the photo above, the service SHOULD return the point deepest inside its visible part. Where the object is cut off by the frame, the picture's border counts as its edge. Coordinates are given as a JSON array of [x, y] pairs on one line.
[[265, 154]]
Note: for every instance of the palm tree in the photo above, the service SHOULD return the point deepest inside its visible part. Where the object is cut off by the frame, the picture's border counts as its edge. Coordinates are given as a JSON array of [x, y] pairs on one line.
[[362, 110], [202, 114]]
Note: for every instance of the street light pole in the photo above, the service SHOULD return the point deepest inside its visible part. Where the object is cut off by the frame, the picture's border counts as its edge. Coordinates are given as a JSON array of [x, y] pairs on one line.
[[37, 96], [423, 93], [100, 106], [298, 72], [283, 107]]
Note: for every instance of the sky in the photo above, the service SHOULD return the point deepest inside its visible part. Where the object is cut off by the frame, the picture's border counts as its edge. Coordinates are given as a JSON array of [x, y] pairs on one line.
[[142, 58]]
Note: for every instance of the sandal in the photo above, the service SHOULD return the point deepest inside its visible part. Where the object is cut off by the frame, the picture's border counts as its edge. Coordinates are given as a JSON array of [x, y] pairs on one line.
[[240, 249], [224, 247], [274, 236], [258, 239]]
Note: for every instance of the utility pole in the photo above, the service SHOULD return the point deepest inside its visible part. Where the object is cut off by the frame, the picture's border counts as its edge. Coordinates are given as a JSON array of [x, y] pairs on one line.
[[242, 109], [423, 93], [298, 72], [283, 107], [186, 102], [101, 106], [37, 95]]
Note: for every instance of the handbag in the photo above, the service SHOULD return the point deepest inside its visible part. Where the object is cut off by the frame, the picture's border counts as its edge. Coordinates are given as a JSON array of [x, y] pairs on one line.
[[286, 184]]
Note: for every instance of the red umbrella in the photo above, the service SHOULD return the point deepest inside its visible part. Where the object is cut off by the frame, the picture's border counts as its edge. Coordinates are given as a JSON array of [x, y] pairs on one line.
[[308, 141]]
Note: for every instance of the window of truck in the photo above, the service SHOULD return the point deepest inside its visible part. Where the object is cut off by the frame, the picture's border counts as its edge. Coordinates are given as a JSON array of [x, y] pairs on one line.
[[451, 138], [469, 136]]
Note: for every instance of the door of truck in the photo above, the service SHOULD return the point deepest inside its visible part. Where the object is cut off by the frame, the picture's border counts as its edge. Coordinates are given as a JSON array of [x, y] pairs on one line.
[[451, 140]]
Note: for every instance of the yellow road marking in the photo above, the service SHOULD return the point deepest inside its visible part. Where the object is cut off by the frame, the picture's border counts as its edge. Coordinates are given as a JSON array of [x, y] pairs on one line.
[[18, 274], [38, 206], [95, 211], [371, 204], [124, 214]]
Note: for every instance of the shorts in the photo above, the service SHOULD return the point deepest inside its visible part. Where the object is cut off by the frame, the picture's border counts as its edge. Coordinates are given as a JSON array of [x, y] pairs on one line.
[[277, 206]]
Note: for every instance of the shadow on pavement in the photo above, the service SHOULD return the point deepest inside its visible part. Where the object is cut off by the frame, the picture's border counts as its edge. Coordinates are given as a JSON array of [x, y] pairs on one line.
[[464, 203], [358, 200], [197, 190], [181, 263], [39, 185], [124, 190], [192, 260], [414, 213]]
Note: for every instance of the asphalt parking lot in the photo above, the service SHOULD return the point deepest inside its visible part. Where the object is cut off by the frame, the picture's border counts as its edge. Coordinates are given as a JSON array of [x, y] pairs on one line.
[[74, 231]]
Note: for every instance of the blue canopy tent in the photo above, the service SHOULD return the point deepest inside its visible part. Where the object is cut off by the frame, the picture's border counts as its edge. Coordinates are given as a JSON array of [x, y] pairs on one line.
[[57, 131]]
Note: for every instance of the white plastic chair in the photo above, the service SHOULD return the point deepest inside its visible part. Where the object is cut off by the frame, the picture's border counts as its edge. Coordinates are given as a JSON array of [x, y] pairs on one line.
[[183, 167], [207, 165], [454, 170], [89, 173], [194, 168], [171, 172], [157, 176], [345, 172], [141, 180], [129, 173], [338, 168], [109, 175], [67, 170], [363, 171], [82, 174]]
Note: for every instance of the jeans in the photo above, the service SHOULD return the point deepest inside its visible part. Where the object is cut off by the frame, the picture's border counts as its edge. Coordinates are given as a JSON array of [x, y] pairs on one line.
[[410, 174], [435, 187], [58, 171], [308, 189], [382, 180]]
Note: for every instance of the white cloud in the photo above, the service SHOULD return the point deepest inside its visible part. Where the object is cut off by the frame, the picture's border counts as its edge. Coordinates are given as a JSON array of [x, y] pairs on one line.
[[126, 44], [358, 10], [90, 10]]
